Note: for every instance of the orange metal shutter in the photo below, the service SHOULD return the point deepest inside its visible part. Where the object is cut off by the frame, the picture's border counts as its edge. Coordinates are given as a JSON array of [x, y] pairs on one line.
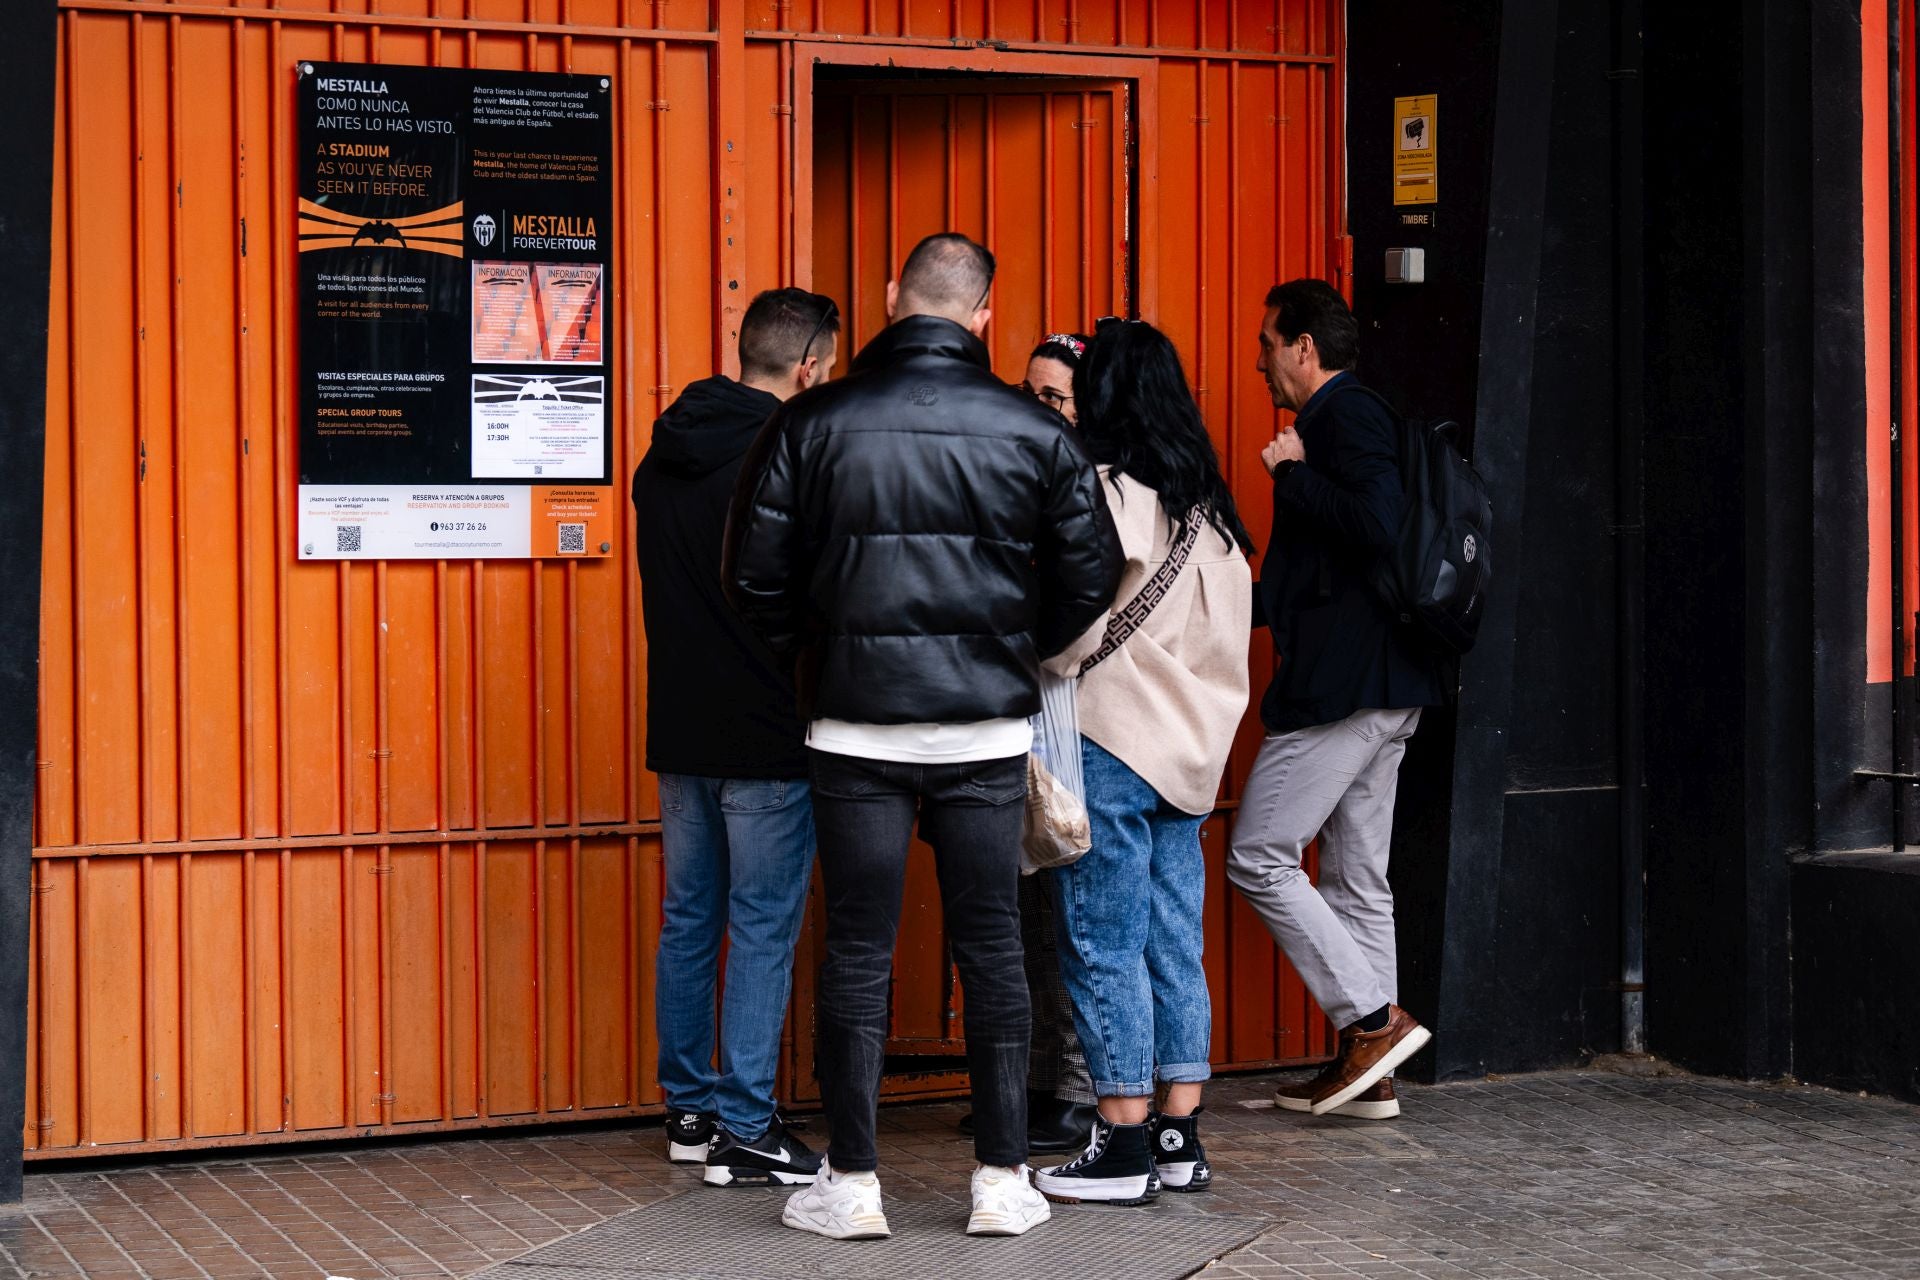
[[330, 849]]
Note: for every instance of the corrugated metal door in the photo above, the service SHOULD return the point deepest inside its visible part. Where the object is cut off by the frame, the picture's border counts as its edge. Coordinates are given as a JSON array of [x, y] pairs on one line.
[[1035, 170], [1042, 172], [893, 163]]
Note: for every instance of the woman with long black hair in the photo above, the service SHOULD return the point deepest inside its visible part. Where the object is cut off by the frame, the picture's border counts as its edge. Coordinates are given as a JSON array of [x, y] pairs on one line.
[[1162, 688]]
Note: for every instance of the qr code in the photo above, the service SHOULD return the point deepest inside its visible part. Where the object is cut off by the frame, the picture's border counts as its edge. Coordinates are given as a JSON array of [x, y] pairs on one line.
[[346, 538], [573, 539]]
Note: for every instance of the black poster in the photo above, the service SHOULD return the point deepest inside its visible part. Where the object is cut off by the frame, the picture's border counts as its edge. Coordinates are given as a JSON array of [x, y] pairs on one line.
[[456, 333]]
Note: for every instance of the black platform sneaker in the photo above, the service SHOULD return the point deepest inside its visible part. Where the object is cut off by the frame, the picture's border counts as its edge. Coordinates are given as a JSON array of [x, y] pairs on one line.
[[689, 1134], [1177, 1154], [775, 1158], [1116, 1168]]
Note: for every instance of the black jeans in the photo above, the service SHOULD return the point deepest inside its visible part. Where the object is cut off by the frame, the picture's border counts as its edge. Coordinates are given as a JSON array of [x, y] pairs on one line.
[[863, 813]]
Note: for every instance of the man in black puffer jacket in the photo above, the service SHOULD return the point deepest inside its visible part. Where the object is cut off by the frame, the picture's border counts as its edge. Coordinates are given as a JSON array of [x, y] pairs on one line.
[[920, 536]]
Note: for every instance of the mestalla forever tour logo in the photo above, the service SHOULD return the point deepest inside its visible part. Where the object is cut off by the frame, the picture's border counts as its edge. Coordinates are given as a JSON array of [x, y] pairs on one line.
[[439, 230], [562, 231]]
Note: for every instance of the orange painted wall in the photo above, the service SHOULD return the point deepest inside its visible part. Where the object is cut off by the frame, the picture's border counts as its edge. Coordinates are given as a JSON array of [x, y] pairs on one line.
[[1876, 184], [330, 849]]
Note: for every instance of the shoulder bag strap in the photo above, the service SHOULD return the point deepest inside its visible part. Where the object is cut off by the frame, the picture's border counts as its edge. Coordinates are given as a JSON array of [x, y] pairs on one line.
[[1372, 395], [1123, 624]]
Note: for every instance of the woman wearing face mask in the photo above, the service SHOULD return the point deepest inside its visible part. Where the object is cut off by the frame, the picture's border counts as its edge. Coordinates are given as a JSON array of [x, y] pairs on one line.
[[1163, 685]]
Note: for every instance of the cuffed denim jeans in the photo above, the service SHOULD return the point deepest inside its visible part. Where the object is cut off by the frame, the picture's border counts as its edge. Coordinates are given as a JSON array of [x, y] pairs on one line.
[[1132, 936], [971, 815], [739, 855]]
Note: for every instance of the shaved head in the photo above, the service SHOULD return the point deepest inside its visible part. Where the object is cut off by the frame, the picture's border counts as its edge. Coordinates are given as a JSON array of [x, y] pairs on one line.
[[946, 275]]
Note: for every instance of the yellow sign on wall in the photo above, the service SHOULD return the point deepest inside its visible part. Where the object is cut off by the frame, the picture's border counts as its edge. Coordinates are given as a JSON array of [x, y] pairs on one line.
[[1416, 165]]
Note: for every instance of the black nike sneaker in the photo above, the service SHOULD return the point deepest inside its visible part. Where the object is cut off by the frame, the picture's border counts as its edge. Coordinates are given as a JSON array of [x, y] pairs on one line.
[[775, 1158], [689, 1134], [1177, 1154], [1116, 1168]]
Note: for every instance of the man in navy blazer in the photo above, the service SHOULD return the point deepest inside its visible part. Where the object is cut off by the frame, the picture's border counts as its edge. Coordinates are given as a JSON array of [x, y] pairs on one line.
[[1338, 714]]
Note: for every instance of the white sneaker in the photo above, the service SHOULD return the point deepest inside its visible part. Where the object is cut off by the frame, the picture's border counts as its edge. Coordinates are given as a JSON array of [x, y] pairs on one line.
[[1005, 1203], [841, 1206]]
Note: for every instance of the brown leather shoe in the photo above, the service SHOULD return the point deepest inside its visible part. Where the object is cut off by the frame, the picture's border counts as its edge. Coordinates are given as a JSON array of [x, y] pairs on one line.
[[1377, 1103], [1299, 1096], [1368, 1055]]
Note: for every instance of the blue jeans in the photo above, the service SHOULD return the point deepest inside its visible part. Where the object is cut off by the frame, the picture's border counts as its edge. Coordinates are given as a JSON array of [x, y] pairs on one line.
[[1132, 935], [739, 856]]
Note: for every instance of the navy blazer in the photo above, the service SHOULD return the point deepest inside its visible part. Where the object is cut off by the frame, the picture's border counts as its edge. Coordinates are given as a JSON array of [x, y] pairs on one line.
[[1340, 650]]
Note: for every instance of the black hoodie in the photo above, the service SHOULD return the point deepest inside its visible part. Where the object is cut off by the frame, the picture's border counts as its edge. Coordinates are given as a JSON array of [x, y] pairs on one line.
[[717, 705]]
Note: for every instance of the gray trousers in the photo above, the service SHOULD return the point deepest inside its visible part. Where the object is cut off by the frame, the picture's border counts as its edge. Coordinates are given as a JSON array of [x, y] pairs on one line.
[[1336, 781]]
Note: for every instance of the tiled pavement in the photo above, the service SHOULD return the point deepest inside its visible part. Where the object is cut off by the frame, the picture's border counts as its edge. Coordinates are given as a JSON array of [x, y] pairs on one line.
[[1551, 1176]]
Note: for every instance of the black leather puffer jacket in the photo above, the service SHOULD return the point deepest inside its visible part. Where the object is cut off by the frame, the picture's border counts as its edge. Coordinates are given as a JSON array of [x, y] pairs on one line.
[[926, 533]]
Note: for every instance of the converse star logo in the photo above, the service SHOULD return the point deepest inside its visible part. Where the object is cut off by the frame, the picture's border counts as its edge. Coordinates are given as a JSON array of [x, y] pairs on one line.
[[1170, 1139]]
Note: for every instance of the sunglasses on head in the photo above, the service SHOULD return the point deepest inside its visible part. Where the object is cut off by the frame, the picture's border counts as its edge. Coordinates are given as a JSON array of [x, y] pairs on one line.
[[827, 317], [1107, 322], [984, 292]]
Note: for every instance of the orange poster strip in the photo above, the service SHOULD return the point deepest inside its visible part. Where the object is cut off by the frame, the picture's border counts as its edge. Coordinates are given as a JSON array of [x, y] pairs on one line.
[[572, 520]]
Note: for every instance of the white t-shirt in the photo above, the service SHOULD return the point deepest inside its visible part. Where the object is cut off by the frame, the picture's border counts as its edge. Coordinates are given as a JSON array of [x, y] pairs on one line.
[[923, 743]]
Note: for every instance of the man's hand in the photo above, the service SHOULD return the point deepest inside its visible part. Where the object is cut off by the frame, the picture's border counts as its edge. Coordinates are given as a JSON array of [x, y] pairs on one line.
[[1285, 447]]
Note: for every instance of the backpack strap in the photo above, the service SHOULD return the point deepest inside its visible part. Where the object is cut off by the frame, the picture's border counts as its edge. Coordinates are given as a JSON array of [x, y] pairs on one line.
[[1356, 385], [1122, 625], [1442, 426]]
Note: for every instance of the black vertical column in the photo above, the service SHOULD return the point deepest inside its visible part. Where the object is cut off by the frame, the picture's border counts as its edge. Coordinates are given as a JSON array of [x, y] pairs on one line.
[[1778, 520], [1468, 1011], [1731, 469], [1505, 860], [26, 205]]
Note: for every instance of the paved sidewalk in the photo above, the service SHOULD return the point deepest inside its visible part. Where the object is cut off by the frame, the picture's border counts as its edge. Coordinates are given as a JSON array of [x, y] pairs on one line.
[[1551, 1176]]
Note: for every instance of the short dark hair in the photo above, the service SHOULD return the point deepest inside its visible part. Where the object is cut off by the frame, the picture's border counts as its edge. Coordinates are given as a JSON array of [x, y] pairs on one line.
[[1316, 307], [777, 326], [947, 273]]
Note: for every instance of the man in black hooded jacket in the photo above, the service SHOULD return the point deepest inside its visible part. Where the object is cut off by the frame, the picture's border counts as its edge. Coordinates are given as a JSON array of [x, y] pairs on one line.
[[736, 813]]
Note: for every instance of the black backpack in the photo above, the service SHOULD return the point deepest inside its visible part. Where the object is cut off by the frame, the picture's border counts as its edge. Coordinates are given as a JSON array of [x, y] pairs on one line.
[[1435, 577]]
